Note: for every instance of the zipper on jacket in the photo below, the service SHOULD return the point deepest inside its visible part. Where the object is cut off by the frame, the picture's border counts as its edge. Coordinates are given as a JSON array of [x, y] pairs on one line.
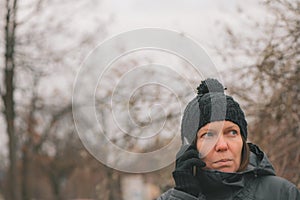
[[255, 173]]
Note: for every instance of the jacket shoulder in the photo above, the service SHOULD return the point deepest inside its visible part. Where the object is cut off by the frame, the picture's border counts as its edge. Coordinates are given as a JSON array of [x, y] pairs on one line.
[[274, 187]]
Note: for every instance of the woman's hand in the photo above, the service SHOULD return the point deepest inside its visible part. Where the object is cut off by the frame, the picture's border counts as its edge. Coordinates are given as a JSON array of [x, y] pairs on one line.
[[184, 175]]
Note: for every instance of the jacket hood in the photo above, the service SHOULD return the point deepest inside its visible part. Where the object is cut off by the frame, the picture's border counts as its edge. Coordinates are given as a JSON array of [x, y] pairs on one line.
[[259, 162], [259, 165]]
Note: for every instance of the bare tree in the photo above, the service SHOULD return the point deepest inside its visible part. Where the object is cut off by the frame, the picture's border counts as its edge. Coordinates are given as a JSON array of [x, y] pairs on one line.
[[270, 86], [132, 108], [8, 94], [29, 58]]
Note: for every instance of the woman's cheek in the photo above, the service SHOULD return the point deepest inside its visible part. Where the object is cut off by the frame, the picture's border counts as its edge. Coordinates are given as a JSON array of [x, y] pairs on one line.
[[204, 149]]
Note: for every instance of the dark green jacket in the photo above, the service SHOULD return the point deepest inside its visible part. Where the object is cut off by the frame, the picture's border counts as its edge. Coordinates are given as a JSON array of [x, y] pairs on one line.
[[258, 182]]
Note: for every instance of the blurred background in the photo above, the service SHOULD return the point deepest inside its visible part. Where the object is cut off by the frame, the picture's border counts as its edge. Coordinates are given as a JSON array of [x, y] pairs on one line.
[[254, 44]]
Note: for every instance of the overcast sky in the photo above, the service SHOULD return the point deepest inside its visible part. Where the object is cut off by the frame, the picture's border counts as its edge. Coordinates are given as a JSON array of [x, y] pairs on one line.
[[195, 17], [203, 20]]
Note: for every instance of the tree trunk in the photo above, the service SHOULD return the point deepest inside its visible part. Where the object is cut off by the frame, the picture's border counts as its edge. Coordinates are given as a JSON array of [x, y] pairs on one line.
[[114, 184], [25, 173], [9, 110], [55, 183]]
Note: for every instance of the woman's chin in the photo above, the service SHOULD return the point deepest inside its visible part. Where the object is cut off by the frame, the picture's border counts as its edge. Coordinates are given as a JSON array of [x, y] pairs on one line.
[[225, 169]]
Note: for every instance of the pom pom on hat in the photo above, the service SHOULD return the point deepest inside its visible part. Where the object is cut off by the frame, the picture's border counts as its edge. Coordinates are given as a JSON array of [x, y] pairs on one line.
[[210, 85]]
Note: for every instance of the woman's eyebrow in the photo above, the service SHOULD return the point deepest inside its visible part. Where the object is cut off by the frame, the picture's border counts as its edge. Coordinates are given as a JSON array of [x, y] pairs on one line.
[[217, 128], [208, 129], [231, 127]]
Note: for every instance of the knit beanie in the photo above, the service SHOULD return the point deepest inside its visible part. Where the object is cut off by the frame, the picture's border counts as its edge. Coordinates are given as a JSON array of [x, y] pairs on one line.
[[211, 104]]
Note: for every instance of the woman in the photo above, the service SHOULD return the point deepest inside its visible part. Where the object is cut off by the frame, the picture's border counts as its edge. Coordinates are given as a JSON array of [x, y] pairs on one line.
[[215, 162]]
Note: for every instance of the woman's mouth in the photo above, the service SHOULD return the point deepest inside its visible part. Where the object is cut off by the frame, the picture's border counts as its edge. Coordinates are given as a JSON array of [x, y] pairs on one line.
[[223, 162]]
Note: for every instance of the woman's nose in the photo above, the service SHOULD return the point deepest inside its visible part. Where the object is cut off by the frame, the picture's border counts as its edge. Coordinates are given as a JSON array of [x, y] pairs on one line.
[[221, 144]]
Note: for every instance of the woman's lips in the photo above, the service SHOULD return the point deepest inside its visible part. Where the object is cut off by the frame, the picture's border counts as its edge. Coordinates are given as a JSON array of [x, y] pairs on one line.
[[223, 162]]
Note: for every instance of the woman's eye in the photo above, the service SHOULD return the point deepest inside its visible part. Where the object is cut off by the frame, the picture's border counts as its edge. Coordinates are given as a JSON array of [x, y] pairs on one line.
[[208, 135], [233, 132]]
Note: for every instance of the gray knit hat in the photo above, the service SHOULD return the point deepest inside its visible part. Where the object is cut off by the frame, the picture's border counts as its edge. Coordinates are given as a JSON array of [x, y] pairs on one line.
[[211, 104]]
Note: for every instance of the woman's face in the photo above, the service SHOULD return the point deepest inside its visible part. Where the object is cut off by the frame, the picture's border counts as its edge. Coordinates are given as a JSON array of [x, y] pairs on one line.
[[220, 145]]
